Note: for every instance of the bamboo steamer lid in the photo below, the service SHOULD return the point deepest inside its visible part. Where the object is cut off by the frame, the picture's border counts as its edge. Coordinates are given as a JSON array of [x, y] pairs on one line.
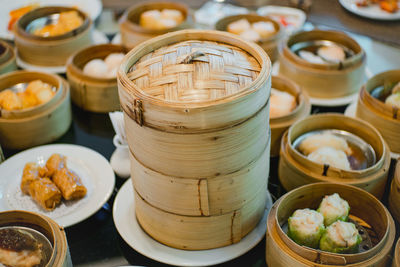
[[132, 33], [324, 80], [191, 81], [60, 256], [53, 50], [7, 58], [269, 44], [396, 257], [96, 94], [384, 117], [394, 195], [282, 251], [280, 124], [296, 170]]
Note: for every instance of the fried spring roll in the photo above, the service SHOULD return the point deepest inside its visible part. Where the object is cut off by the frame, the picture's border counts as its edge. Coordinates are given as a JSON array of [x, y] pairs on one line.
[[54, 163], [70, 184], [45, 193], [31, 172]]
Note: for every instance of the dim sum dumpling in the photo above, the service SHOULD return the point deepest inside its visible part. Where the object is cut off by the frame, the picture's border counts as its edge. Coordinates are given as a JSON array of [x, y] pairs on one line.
[[393, 100], [42, 91], [332, 53], [316, 141], [96, 68], [341, 237], [10, 100], [250, 35], [148, 19], [334, 208], [264, 28], [281, 103], [311, 57], [173, 14], [239, 26], [113, 60], [54, 163], [330, 156]]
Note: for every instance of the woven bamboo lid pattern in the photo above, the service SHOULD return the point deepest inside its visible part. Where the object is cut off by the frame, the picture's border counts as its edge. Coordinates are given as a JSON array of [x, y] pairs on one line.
[[194, 71]]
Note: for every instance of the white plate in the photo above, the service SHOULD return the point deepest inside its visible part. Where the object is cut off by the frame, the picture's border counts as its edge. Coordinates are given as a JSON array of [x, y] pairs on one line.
[[130, 230], [92, 7], [98, 38], [298, 14], [372, 12], [92, 168], [351, 112]]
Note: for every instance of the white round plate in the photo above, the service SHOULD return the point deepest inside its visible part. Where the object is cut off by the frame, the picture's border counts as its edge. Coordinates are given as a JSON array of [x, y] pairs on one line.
[[98, 38], [351, 112], [372, 12], [130, 230], [274, 11], [91, 7], [93, 169]]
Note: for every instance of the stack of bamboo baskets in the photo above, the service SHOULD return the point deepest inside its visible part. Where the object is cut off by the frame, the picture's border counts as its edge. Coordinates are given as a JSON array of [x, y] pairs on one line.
[[196, 116]]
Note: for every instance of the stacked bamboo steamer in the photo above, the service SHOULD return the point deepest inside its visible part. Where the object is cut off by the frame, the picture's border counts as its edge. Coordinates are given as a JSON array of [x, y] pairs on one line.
[[97, 94], [7, 58], [281, 251], [132, 33], [60, 256], [384, 117], [331, 80], [270, 44], [280, 124], [20, 129], [296, 170], [196, 115], [394, 195], [54, 50]]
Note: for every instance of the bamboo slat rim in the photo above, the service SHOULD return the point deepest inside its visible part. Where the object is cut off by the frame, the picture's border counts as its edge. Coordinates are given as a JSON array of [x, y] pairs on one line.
[[396, 259], [126, 20], [26, 112], [222, 24], [77, 71], [370, 169], [350, 63], [144, 48], [366, 254], [23, 22], [383, 110], [8, 56]]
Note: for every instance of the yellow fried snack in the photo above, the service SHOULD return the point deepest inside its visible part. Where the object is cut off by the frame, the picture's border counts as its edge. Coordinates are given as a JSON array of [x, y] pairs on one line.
[[54, 163], [45, 193], [29, 174], [9, 100], [68, 21], [70, 184]]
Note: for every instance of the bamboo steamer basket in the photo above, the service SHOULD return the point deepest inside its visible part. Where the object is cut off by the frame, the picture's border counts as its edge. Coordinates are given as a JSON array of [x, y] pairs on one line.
[[132, 33], [7, 58], [196, 116], [54, 50], [37, 125], [280, 124], [60, 256], [384, 117], [394, 195], [282, 251], [270, 44], [296, 170], [97, 94], [201, 196], [201, 232], [324, 80], [396, 258]]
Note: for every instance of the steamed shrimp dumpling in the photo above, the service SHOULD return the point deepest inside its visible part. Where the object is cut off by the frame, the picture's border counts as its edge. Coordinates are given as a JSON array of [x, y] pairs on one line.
[[330, 156], [316, 141], [96, 68], [281, 103]]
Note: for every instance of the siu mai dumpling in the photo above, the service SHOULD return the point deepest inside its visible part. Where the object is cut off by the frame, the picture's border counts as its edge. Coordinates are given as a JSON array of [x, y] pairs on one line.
[[54, 163], [70, 184], [281, 103], [330, 156], [45, 193], [316, 141]]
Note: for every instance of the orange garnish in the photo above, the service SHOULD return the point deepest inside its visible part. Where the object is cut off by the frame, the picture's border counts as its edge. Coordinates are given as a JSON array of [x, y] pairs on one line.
[[19, 12]]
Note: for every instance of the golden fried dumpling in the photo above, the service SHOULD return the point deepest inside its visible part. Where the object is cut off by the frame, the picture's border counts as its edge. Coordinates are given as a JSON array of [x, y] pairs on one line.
[[70, 184], [54, 163], [28, 100], [29, 174], [45, 193], [9, 100], [42, 91]]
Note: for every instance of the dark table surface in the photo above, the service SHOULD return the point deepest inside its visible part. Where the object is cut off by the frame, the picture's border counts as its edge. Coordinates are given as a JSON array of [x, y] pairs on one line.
[[96, 241]]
